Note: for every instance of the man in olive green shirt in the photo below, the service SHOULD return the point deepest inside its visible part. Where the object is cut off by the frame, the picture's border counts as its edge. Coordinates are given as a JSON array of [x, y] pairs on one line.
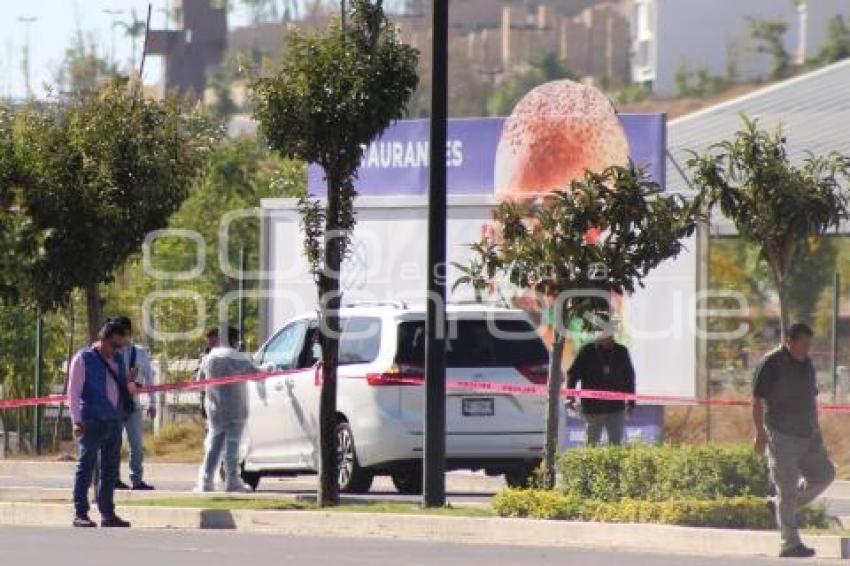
[[786, 420]]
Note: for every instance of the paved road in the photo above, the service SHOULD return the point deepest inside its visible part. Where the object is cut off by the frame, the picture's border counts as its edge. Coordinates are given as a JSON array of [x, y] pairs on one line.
[[70, 547]]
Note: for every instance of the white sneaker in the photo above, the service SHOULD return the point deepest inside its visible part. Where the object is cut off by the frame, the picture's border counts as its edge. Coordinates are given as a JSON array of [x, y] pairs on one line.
[[206, 488]]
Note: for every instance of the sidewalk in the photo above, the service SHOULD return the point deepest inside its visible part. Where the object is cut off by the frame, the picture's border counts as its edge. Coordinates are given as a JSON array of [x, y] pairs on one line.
[[523, 532], [153, 471]]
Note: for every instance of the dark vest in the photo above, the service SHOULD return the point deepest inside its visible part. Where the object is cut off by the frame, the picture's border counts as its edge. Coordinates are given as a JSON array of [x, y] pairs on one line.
[[94, 400]]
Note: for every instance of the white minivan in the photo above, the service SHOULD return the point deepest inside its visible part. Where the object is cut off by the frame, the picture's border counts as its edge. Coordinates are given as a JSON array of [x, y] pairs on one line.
[[381, 398]]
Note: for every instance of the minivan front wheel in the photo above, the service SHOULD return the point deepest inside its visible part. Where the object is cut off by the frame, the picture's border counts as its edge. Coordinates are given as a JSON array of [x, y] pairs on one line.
[[352, 478]]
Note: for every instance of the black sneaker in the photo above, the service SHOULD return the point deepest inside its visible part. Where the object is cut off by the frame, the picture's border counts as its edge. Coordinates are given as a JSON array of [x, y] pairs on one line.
[[142, 486], [84, 523], [121, 485], [799, 551], [115, 522]]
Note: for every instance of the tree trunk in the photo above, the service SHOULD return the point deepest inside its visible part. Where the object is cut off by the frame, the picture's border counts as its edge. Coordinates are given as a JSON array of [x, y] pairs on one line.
[[784, 315], [553, 409], [94, 305], [329, 302]]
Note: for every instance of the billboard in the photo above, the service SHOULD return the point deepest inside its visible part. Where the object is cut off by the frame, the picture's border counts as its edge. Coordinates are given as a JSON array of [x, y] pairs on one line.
[[555, 133], [397, 162]]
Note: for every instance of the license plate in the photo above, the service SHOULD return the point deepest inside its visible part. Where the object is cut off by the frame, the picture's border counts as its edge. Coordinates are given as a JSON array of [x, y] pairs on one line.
[[478, 407]]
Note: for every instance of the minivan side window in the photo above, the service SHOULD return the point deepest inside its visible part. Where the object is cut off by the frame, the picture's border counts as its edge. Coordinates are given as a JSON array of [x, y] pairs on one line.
[[284, 349], [360, 341], [475, 344]]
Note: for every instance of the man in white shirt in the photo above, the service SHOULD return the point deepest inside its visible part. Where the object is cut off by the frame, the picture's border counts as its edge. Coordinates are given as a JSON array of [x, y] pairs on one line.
[[227, 410], [137, 361]]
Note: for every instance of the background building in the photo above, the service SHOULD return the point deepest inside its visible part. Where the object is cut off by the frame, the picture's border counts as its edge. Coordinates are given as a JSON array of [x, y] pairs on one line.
[[670, 36], [191, 52]]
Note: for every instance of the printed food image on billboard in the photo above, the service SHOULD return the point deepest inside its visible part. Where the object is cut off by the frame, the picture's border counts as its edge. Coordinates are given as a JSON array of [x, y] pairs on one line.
[[557, 131]]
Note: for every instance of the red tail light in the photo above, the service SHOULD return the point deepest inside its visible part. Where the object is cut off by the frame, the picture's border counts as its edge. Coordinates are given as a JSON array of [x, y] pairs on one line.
[[537, 374], [398, 374]]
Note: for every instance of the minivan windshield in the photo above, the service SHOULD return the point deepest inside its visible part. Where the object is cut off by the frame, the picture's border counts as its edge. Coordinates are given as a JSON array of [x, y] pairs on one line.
[[476, 343]]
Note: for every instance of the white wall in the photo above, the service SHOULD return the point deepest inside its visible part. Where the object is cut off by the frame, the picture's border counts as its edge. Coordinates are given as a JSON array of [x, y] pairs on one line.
[[714, 33]]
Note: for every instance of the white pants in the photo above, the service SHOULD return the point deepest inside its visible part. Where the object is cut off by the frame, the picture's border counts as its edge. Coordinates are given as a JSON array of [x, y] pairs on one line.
[[222, 438]]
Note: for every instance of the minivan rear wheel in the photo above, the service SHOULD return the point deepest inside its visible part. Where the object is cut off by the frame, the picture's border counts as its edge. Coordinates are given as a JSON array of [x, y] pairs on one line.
[[408, 481], [521, 477], [352, 477]]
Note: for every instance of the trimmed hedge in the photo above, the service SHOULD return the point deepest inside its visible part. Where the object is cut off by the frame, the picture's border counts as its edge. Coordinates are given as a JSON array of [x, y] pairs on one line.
[[727, 512], [662, 473]]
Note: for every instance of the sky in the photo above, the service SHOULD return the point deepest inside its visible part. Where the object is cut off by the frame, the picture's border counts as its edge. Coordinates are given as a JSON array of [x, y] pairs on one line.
[[56, 24]]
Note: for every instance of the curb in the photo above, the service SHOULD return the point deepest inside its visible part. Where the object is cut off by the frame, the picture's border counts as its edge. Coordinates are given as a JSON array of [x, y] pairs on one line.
[[520, 532]]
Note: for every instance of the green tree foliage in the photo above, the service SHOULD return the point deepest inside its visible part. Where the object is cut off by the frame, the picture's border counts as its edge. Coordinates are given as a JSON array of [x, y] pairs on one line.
[[223, 106], [547, 247], [262, 11], [15, 250], [699, 83], [773, 203], [334, 93], [769, 36], [837, 44], [236, 176], [548, 68], [468, 88], [96, 175], [82, 70]]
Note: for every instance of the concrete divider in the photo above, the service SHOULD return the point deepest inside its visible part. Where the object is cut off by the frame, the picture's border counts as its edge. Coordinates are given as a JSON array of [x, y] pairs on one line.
[[525, 532]]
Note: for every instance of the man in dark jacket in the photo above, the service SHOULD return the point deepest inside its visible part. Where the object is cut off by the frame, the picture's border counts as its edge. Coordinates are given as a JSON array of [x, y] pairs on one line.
[[603, 365]]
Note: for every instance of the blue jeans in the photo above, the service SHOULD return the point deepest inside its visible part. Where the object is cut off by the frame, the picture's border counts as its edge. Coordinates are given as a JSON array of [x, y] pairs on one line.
[[222, 437], [135, 427], [104, 438]]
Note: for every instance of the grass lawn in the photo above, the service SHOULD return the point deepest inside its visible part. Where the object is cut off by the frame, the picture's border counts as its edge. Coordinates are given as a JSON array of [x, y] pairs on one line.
[[238, 504]]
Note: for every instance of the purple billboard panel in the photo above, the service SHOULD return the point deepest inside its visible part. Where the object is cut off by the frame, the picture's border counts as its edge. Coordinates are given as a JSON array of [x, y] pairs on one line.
[[647, 136], [644, 426], [397, 163]]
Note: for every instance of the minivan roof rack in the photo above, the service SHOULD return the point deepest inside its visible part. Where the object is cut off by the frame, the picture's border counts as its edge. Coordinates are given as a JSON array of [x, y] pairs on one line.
[[394, 304]]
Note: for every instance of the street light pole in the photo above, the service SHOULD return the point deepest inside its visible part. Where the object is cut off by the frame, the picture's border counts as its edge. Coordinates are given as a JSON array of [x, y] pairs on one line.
[[39, 366], [241, 316], [434, 488], [113, 14], [27, 21]]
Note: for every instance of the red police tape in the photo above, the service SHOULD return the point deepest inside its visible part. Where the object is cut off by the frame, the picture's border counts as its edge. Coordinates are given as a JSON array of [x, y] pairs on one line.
[[464, 385]]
